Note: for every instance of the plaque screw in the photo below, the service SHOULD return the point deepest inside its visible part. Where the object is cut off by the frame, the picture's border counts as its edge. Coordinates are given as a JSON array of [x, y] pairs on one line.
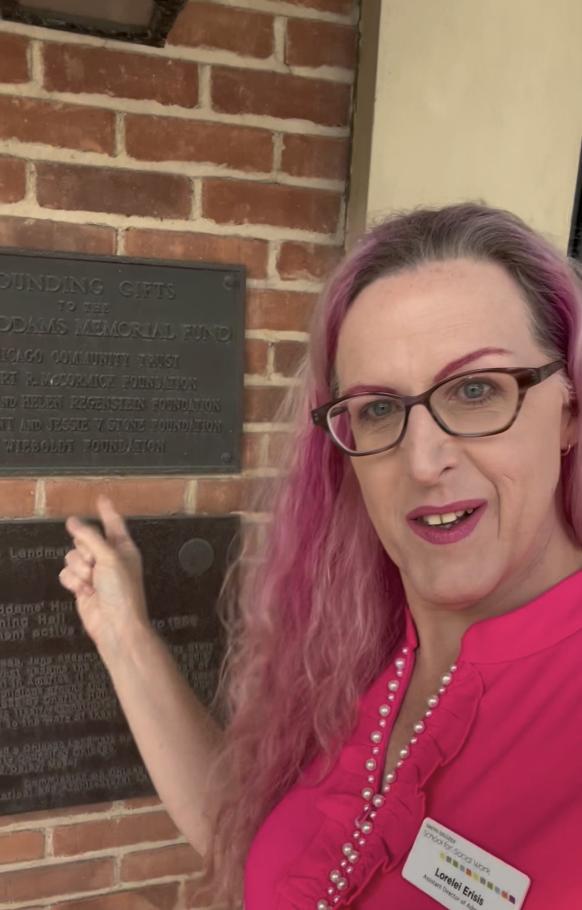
[[226, 458], [229, 282]]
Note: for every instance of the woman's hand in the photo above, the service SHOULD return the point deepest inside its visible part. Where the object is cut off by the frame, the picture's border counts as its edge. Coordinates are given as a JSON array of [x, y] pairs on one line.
[[105, 575]]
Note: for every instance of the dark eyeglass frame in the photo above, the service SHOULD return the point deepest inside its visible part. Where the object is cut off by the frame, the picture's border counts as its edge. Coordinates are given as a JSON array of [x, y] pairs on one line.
[[526, 378]]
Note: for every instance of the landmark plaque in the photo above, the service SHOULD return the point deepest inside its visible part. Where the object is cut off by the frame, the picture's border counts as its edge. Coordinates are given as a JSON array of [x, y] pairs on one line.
[[64, 738], [111, 365]]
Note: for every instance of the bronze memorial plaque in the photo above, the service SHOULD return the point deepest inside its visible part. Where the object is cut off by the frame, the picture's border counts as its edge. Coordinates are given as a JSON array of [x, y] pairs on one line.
[[119, 365], [64, 738]]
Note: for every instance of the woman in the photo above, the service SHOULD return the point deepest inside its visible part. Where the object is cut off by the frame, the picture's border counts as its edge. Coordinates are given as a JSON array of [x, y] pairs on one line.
[[409, 646]]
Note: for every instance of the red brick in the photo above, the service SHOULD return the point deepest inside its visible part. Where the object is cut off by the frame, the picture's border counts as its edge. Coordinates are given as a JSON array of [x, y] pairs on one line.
[[14, 59], [152, 897], [56, 880], [312, 43], [306, 261], [246, 202], [263, 402], [279, 310], [199, 247], [96, 70], [20, 846], [256, 354], [226, 28], [28, 233], [169, 139], [17, 498], [315, 156], [62, 125], [179, 860], [252, 450], [12, 179], [288, 356], [164, 496], [69, 840], [238, 91], [94, 189], [219, 496], [341, 7]]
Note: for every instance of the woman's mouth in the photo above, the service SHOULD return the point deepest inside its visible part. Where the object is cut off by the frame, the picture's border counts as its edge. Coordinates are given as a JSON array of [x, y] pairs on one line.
[[449, 527]]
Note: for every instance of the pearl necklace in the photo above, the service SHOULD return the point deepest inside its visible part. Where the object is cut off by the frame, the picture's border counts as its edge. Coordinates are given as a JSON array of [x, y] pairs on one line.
[[373, 801]]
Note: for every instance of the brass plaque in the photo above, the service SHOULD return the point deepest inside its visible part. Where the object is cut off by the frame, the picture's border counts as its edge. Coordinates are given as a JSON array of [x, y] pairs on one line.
[[119, 365], [64, 738]]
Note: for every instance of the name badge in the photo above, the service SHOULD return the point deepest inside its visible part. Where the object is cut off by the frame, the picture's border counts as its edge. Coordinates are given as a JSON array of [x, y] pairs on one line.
[[457, 873]]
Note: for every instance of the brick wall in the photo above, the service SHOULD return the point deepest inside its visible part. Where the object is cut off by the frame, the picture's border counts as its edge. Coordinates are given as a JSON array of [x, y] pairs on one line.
[[231, 144]]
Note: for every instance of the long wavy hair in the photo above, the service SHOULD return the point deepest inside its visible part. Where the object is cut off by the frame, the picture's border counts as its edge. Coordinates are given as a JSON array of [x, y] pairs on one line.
[[314, 616]]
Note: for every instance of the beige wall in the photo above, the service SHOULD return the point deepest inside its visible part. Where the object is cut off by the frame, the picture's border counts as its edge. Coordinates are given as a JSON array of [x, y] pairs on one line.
[[473, 100]]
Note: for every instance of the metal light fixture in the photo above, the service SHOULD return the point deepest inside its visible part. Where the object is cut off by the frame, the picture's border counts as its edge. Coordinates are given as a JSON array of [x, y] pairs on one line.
[[137, 21]]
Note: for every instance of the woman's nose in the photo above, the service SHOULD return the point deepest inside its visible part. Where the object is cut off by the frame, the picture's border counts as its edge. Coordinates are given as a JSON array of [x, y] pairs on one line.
[[427, 448]]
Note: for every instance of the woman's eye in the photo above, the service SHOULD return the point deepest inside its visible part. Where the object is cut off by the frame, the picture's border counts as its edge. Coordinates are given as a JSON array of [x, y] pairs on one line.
[[377, 409], [476, 389]]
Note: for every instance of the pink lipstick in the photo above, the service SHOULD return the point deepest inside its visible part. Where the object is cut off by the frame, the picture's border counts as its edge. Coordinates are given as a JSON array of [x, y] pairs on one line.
[[441, 535]]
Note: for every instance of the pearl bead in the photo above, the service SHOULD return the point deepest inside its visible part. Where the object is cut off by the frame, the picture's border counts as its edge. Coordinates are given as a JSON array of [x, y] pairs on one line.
[[355, 834], [347, 849], [393, 685], [371, 765], [400, 673], [419, 727], [322, 905], [404, 752], [433, 701], [405, 650], [376, 736], [391, 697], [428, 713], [371, 778], [341, 884], [375, 750], [442, 690], [452, 668], [335, 875], [400, 663], [386, 788], [399, 763], [331, 891], [382, 723], [336, 900], [384, 710], [390, 777], [377, 800], [446, 679], [354, 856], [367, 828], [349, 869], [413, 741], [343, 864], [367, 793]]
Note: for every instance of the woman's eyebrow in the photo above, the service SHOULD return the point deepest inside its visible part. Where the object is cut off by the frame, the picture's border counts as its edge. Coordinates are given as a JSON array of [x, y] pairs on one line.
[[445, 371], [460, 362]]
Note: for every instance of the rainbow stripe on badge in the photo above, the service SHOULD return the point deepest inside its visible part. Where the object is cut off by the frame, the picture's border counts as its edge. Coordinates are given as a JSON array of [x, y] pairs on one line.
[[478, 878]]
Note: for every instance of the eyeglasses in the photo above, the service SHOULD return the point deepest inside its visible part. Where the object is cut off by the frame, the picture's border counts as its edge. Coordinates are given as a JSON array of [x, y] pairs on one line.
[[476, 403]]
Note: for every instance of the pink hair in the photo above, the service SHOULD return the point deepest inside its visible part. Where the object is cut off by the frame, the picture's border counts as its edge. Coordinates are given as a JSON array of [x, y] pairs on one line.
[[316, 614]]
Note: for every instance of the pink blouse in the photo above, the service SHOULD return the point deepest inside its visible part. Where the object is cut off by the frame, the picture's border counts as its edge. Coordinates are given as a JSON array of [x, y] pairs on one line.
[[499, 763]]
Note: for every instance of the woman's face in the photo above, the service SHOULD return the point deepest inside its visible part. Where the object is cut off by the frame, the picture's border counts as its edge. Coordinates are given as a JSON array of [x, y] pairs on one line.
[[402, 331]]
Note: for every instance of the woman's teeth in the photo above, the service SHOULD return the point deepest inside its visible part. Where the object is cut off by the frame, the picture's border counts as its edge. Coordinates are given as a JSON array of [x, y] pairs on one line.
[[448, 518]]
